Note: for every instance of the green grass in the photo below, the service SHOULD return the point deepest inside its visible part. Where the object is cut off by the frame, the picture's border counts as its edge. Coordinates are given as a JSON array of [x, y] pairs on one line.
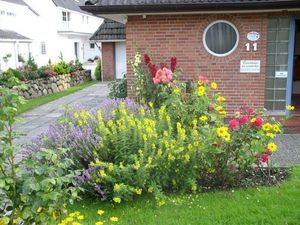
[[33, 103], [278, 205]]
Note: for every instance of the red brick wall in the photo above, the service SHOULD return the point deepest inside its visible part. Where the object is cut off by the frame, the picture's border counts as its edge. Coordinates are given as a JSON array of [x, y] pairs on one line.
[[181, 36], [108, 61]]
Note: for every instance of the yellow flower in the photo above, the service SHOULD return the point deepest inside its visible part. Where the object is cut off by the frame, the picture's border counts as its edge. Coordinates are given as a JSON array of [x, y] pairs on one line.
[[214, 85], [201, 91], [223, 113], [176, 91], [137, 165], [272, 147], [276, 128], [187, 157], [110, 167], [171, 157], [150, 104], [80, 217], [203, 118], [39, 210], [116, 188], [267, 127], [290, 107], [117, 200], [253, 120], [221, 99], [219, 107], [99, 223], [102, 173], [271, 135], [69, 219], [161, 203], [114, 219], [194, 187], [76, 223], [138, 191], [227, 137], [100, 212], [222, 131]]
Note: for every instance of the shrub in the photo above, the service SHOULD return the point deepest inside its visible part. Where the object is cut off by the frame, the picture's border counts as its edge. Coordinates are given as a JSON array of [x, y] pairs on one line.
[[98, 71], [62, 68], [34, 190], [118, 88]]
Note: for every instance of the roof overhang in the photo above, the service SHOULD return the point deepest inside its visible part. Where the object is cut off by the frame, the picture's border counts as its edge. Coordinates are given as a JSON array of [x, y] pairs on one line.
[[75, 33], [191, 7], [16, 40]]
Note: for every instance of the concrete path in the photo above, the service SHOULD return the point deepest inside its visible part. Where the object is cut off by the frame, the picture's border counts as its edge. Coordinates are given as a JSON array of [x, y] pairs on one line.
[[38, 120], [288, 153]]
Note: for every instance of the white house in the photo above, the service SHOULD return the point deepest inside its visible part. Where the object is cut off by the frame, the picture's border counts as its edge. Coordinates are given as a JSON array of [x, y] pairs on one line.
[[46, 28]]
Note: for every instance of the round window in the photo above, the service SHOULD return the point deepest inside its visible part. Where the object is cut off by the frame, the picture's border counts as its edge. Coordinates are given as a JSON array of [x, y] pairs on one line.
[[220, 38]]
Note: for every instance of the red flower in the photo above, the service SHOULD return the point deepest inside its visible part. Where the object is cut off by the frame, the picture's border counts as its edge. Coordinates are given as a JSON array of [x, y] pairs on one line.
[[258, 121], [163, 65], [234, 124], [264, 158], [243, 120], [146, 59], [173, 63], [152, 69]]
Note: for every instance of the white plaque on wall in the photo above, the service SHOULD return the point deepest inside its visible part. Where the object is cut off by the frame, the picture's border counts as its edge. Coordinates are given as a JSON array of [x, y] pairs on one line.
[[250, 66], [253, 36], [281, 74]]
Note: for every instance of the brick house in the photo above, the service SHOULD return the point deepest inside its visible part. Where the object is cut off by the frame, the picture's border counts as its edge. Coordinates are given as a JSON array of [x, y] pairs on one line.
[[250, 47], [112, 36]]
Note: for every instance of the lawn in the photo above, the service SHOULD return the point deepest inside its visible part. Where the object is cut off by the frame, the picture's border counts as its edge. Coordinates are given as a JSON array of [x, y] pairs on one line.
[[33, 103], [278, 205]]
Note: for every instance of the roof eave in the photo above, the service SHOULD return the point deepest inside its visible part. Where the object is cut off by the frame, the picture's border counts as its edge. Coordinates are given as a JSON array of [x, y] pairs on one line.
[[168, 8]]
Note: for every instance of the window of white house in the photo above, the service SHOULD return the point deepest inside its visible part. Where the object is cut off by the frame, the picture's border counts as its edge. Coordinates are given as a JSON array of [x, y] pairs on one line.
[[220, 38], [43, 48], [2, 12], [87, 19], [82, 19], [92, 45], [65, 16]]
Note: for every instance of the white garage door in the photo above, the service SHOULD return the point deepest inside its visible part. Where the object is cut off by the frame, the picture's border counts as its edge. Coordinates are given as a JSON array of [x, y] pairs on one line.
[[120, 54]]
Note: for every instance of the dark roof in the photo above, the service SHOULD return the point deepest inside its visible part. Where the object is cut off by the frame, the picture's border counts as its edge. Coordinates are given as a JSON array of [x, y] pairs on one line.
[[160, 6], [70, 4], [110, 30], [19, 2], [9, 35]]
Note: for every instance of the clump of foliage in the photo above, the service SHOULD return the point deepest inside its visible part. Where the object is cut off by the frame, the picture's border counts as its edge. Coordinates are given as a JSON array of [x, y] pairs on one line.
[[98, 70], [118, 88], [180, 143], [34, 190]]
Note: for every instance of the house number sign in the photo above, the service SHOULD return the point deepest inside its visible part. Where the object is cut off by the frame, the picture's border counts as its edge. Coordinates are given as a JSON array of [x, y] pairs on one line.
[[252, 36]]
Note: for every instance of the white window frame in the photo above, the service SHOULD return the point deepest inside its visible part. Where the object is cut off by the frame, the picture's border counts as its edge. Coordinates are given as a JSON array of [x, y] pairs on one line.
[[43, 48], [236, 43]]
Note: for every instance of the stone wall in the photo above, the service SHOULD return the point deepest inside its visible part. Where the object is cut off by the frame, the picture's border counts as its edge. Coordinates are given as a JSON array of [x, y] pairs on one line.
[[46, 86]]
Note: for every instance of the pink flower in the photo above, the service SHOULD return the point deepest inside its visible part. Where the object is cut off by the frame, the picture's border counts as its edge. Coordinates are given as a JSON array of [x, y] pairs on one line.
[[250, 111], [243, 120], [203, 79], [258, 121], [163, 76], [234, 124]]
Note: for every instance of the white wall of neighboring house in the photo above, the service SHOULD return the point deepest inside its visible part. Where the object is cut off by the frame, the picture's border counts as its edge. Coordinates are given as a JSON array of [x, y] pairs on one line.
[[48, 27]]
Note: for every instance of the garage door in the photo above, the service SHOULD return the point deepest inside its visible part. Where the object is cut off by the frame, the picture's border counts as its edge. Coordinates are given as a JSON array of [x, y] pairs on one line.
[[120, 57]]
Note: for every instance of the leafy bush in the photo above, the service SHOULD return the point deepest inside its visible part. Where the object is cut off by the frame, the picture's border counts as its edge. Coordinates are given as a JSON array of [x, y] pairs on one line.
[[118, 88], [34, 190], [62, 68], [98, 70]]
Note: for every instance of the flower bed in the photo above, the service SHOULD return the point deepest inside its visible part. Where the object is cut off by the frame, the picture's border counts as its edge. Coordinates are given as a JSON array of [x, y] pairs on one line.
[[49, 85]]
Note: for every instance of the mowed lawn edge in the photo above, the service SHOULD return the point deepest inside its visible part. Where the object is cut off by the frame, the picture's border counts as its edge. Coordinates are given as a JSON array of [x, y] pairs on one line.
[[33, 103], [276, 205]]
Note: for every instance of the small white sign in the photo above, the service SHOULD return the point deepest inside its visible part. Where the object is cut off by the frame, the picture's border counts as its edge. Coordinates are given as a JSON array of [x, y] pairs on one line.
[[281, 74], [253, 36], [250, 66]]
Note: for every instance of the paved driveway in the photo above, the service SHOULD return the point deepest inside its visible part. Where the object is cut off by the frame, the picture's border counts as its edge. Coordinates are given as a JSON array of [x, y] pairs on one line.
[[37, 120]]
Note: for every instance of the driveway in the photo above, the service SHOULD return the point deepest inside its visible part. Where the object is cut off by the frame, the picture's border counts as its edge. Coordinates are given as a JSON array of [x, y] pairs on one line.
[[37, 120]]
